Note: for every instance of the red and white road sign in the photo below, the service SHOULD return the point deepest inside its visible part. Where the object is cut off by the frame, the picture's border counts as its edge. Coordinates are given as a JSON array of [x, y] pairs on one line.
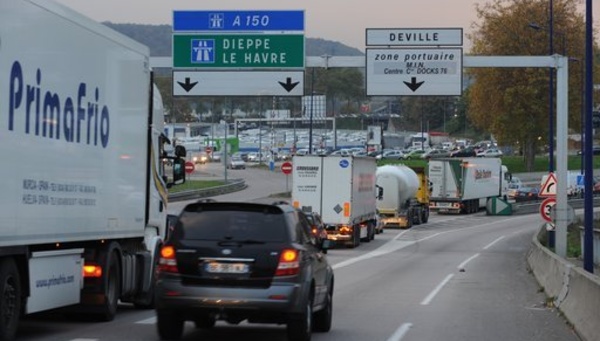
[[546, 207], [286, 168], [189, 167], [548, 188]]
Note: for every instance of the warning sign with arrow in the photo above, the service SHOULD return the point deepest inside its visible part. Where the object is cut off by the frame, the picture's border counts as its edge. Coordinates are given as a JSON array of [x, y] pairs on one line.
[[414, 72], [238, 83], [548, 188]]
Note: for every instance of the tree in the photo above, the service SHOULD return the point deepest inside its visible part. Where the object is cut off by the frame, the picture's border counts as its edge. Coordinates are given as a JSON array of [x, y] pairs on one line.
[[512, 103]]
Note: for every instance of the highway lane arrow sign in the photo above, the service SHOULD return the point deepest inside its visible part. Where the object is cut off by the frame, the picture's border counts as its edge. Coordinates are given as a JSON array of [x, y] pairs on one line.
[[289, 86], [414, 85], [187, 86], [414, 72], [238, 83]]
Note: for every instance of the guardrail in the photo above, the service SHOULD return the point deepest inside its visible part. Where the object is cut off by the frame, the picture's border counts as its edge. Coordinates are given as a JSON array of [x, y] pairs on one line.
[[534, 206], [233, 186]]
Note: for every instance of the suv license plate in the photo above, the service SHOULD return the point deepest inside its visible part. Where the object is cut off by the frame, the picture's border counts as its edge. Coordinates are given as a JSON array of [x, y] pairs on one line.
[[226, 268]]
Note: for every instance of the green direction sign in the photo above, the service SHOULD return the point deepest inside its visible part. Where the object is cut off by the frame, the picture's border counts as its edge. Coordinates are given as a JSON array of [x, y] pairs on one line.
[[497, 206], [247, 51]]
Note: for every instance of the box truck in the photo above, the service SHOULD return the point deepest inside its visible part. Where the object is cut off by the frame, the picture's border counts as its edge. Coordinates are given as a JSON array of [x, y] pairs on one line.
[[403, 196], [83, 205], [463, 185], [342, 190]]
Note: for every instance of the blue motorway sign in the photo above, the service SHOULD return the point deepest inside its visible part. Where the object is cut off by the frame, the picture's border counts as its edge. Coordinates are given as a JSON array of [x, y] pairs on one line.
[[237, 21]]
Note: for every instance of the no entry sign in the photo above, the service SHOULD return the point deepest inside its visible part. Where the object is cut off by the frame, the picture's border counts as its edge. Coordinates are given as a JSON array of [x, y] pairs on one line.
[[189, 167], [286, 168]]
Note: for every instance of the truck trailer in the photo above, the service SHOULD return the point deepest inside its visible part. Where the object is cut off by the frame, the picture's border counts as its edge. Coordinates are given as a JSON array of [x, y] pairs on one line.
[[83, 207], [342, 190], [403, 196], [463, 185]]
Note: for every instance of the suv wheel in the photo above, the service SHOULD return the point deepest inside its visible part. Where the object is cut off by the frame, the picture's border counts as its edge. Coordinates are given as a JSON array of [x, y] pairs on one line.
[[206, 322], [170, 326], [299, 327], [322, 318]]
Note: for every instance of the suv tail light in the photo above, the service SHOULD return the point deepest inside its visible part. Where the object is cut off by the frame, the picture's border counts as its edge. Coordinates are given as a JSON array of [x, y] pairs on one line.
[[167, 261], [289, 263]]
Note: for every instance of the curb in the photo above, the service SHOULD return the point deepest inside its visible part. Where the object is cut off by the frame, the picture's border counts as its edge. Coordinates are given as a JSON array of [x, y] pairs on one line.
[[575, 292]]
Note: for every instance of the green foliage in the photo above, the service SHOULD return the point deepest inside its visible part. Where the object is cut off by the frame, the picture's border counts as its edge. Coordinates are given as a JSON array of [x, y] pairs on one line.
[[512, 103], [191, 185]]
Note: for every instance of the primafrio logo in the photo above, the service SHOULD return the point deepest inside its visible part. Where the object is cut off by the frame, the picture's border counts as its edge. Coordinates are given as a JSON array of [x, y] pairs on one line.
[[35, 110]]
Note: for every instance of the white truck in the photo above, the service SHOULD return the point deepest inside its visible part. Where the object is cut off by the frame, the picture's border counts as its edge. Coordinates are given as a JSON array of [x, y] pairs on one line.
[[403, 196], [342, 190], [83, 206], [463, 185]]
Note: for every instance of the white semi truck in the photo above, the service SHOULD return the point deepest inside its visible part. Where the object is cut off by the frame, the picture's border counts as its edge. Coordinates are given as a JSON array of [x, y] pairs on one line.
[[342, 190], [83, 205], [463, 185]]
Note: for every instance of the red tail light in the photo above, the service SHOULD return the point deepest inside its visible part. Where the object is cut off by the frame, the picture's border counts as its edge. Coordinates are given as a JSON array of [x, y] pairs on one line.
[[167, 261], [289, 263]]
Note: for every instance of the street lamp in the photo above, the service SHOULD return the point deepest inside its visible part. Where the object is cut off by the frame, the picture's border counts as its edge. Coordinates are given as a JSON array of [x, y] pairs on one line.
[[551, 86]]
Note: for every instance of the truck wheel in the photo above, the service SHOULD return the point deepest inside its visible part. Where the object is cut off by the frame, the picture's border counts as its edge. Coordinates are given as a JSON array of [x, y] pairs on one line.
[[10, 299], [355, 237], [418, 218], [145, 300], [111, 289], [425, 218]]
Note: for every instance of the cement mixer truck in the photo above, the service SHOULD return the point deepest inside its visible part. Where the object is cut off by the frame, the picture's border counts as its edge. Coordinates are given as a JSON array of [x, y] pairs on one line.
[[403, 196]]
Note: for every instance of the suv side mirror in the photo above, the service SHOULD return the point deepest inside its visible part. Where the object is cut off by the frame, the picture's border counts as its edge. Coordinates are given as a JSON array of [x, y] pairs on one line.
[[325, 245]]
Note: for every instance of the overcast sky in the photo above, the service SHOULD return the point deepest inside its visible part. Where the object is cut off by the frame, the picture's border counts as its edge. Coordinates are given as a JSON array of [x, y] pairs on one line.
[[338, 20]]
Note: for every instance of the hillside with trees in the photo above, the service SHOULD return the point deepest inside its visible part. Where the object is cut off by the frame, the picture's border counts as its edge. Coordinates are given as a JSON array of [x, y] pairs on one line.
[[158, 39]]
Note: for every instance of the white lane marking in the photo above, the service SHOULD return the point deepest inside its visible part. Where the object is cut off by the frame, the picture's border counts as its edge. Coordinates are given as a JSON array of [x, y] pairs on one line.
[[463, 264], [437, 289], [151, 320], [400, 332], [85, 339], [393, 244], [492, 243]]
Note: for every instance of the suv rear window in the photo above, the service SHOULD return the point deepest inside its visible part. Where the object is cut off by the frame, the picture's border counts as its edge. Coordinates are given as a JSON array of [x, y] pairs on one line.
[[216, 222]]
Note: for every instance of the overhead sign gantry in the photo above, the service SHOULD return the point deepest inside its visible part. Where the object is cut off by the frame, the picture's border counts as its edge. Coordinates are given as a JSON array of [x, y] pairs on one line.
[[413, 69], [238, 53]]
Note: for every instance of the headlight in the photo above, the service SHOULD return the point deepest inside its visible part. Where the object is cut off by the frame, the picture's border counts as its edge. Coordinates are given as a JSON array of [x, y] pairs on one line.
[[195, 158]]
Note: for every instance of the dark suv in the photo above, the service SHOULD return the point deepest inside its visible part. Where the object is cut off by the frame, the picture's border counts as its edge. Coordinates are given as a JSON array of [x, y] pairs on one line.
[[237, 261]]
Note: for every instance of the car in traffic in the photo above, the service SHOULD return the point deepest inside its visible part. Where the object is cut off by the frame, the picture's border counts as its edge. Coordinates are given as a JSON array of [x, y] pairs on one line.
[[435, 154], [527, 194], [415, 154], [464, 152], [216, 156], [317, 228], [200, 158], [392, 154], [236, 261], [514, 185], [236, 162], [490, 152]]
